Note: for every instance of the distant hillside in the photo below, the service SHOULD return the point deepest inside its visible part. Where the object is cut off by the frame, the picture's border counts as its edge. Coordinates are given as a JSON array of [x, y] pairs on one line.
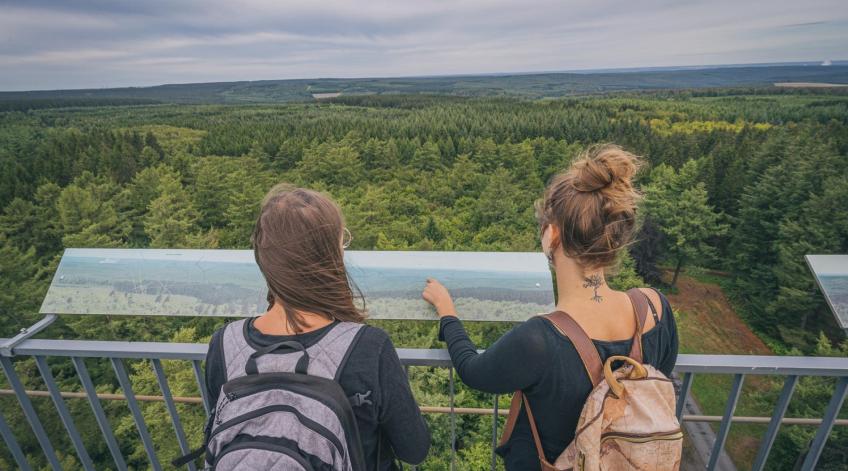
[[523, 85]]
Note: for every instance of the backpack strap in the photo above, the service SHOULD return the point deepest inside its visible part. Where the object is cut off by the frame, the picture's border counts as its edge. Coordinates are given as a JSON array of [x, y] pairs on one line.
[[512, 417], [591, 361], [542, 459], [326, 357], [589, 356], [640, 311], [237, 348], [582, 343], [519, 399], [190, 457]]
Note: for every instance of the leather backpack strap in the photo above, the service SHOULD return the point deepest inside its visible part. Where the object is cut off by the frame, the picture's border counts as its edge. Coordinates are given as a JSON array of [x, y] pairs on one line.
[[542, 460], [519, 399], [585, 348], [514, 408], [640, 311]]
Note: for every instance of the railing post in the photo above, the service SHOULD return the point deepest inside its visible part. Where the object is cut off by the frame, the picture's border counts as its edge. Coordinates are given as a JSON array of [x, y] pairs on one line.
[[201, 384], [64, 413], [822, 433], [452, 422], [99, 414], [494, 433], [126, 385], [406, 370], [13, 446], [684, 393], [774, 425], [172, 409], [30, 413], [732, 400]]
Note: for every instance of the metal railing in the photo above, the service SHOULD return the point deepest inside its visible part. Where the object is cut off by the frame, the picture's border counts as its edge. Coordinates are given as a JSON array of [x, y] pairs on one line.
[[791, 368]]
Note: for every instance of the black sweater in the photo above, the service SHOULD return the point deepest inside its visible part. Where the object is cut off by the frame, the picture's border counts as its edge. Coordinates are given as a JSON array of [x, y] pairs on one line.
[[374, 366], [535, 358]]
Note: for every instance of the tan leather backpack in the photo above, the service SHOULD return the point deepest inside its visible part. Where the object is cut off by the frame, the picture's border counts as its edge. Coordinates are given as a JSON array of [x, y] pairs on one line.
[[628, 421]]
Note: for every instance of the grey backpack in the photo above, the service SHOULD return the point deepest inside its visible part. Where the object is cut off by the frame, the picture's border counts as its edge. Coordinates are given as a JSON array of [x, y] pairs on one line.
[[282, 407]]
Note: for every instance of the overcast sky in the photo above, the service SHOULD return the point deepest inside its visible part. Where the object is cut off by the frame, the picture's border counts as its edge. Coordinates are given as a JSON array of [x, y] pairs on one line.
[[94, 44]]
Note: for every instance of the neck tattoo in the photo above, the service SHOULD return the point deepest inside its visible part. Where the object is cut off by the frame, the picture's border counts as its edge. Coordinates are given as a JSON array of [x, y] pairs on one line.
[[594, 281]]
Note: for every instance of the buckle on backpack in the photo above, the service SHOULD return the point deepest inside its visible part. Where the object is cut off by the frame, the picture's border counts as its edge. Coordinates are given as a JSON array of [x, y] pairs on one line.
[[359, 399]]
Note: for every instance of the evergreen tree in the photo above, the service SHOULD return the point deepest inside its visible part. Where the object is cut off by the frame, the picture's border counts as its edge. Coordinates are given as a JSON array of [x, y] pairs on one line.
[[171, 219], [680, 206], [88, 216]]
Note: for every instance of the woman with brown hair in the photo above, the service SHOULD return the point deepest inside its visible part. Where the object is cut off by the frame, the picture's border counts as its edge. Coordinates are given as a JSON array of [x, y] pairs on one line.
[[298, 242], [586, 218]]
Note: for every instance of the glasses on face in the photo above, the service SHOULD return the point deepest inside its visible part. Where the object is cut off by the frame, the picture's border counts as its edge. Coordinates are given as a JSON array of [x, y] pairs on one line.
[[347, 238]]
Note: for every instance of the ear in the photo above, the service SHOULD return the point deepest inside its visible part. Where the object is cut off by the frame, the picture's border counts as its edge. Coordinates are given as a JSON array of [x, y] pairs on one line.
[[553, 233], [550, 238]]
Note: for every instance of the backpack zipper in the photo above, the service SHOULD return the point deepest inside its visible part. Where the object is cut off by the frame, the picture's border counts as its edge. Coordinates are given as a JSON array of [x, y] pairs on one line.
[[315, 427], [641, 437], [253, 445], [228, 398]]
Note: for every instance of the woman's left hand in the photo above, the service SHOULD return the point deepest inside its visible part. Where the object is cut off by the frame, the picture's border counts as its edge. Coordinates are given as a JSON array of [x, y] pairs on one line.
[[436, 294]]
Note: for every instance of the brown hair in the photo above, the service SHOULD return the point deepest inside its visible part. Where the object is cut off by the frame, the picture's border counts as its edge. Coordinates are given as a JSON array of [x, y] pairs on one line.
[[297, 245], [593, 204]]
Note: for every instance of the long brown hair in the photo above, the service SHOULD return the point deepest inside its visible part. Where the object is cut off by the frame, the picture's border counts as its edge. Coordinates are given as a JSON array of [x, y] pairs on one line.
[[297, 245], [593, 204]]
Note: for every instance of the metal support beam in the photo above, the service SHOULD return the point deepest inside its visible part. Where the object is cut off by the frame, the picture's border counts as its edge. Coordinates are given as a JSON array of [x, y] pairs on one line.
[[732, 400], [830, 415], [494, 432], [201, 384], [31, 415], [452, 421], [776, 419], [684, 394], [99, 414], [13, 446], [138, 417], [172, 410], [64, 413], [25, 333]]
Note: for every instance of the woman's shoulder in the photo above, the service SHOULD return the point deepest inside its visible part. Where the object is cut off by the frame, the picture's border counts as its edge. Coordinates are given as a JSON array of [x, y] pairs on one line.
[[534, 335], [218, 335], [371, 339], [657, 300], [372, 348], [663, 310]]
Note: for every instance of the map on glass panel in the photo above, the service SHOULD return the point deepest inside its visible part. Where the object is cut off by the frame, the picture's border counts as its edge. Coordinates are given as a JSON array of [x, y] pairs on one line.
[[831, 273], [486, 286]]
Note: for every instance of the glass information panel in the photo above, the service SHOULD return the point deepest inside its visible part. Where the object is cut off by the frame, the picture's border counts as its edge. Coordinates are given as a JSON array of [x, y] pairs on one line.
[[486, 286], [831, 273]]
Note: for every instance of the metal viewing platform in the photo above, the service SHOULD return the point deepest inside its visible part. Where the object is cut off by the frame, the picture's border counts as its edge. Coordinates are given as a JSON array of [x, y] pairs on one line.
[[48, 354]]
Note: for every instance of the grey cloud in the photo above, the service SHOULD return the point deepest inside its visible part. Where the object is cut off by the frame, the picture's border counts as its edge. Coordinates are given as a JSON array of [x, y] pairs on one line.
[[804, 25], [60, 44]]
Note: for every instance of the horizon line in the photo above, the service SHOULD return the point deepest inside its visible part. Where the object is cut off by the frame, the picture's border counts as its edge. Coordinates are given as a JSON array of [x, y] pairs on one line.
[[622, 70]]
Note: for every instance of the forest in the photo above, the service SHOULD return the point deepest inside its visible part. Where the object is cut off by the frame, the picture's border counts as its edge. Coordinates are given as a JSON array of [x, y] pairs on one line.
[[534, 86], [740, 181]]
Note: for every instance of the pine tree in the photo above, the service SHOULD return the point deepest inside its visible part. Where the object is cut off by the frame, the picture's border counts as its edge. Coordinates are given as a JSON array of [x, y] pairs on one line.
[[171, 219], [88, 216], [679, 204]]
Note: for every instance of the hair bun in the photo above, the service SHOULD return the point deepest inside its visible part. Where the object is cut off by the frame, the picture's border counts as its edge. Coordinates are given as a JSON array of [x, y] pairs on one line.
[[593, 204], [602, 166]]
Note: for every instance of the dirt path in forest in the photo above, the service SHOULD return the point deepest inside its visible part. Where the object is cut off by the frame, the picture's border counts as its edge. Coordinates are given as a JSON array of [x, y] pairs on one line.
[[708, 322]]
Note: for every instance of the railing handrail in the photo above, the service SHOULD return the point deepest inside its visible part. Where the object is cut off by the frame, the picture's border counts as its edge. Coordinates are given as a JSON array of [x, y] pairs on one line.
[[686, 363], [197, 400], [739, 366]]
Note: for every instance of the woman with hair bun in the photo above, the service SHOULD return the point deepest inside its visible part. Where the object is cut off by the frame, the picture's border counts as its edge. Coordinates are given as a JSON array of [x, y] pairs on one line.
[[586, 219]]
